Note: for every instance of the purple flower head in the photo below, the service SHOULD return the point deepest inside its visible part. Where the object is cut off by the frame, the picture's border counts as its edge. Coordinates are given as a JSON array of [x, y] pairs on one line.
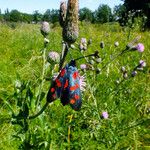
[[104, 115], [83, 66], [134, 73], [139, 47], [83, 40], [53, 57], [116, 44], [83, 44], [142, 63]]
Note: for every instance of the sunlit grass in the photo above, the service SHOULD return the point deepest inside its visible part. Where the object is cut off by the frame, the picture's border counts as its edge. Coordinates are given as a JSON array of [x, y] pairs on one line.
[[127, 103]]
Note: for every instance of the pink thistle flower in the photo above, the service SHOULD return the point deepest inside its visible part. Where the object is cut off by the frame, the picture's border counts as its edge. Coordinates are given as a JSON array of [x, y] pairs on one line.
[[83, 44], [140, 47], [53, 57], [104, 115], [83, 66], [142, 63]]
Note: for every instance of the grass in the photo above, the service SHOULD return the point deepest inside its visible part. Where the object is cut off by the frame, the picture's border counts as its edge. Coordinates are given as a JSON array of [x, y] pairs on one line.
[[59, 127]]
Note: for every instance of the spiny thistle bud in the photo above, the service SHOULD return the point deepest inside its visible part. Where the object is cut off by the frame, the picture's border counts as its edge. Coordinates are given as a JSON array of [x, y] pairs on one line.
[[102, 45], [45, 28], [62, 13], [83, 44], [53, 57], [70, 30]]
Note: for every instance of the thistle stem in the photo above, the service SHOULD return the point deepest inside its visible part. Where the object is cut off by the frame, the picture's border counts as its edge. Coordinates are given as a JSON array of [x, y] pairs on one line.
[[40, 112]]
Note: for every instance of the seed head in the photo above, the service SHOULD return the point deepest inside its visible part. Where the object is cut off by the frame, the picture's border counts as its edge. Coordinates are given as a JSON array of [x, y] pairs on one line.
[[62, 13], [53, 57], [70, 29], [45, 28]]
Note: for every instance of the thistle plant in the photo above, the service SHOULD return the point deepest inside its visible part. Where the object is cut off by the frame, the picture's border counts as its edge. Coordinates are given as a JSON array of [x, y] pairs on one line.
[[69, 23]]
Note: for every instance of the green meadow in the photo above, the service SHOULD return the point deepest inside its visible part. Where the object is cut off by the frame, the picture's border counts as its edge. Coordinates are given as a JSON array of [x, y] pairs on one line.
[[127, 101]]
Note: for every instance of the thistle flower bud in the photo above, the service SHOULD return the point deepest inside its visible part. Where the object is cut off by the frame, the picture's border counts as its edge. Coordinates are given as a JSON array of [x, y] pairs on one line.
[[91, 62], [83, 44], [53, 57], [46, 41], [70, 29], [62, 13], [142, 63], [125, 75], [134, 73], [104, 115], [123, 69], [18, 84], [116, 44], [102, 45], [98, 60], [45, 28]]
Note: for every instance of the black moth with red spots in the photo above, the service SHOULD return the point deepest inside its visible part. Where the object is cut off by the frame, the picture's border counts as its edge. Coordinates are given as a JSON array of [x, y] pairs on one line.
[[66, 87]]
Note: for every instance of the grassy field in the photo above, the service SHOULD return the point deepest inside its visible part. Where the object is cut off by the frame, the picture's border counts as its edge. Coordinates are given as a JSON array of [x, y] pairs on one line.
[[127, 101]]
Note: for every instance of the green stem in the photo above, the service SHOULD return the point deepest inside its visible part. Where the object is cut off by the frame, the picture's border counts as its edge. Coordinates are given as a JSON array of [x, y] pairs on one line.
[[42, 78], [40, 112]]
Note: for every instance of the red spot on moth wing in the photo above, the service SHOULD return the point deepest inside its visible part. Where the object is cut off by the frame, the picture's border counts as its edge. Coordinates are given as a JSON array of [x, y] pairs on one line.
[[72, 101], [52, 89], [72, 88], [58, 83], [66, 84], [54, 96], [76, 96], [63, 71], [75, 75]]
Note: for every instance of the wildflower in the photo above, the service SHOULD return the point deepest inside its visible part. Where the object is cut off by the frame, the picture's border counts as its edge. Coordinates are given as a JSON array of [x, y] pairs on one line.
[[102, 45], [53, 57], [142, 63], [83, 44], [82, 83], [139, 47], [104, 115], [116, 44], [45, 28], [83, 66], [134, 73]]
